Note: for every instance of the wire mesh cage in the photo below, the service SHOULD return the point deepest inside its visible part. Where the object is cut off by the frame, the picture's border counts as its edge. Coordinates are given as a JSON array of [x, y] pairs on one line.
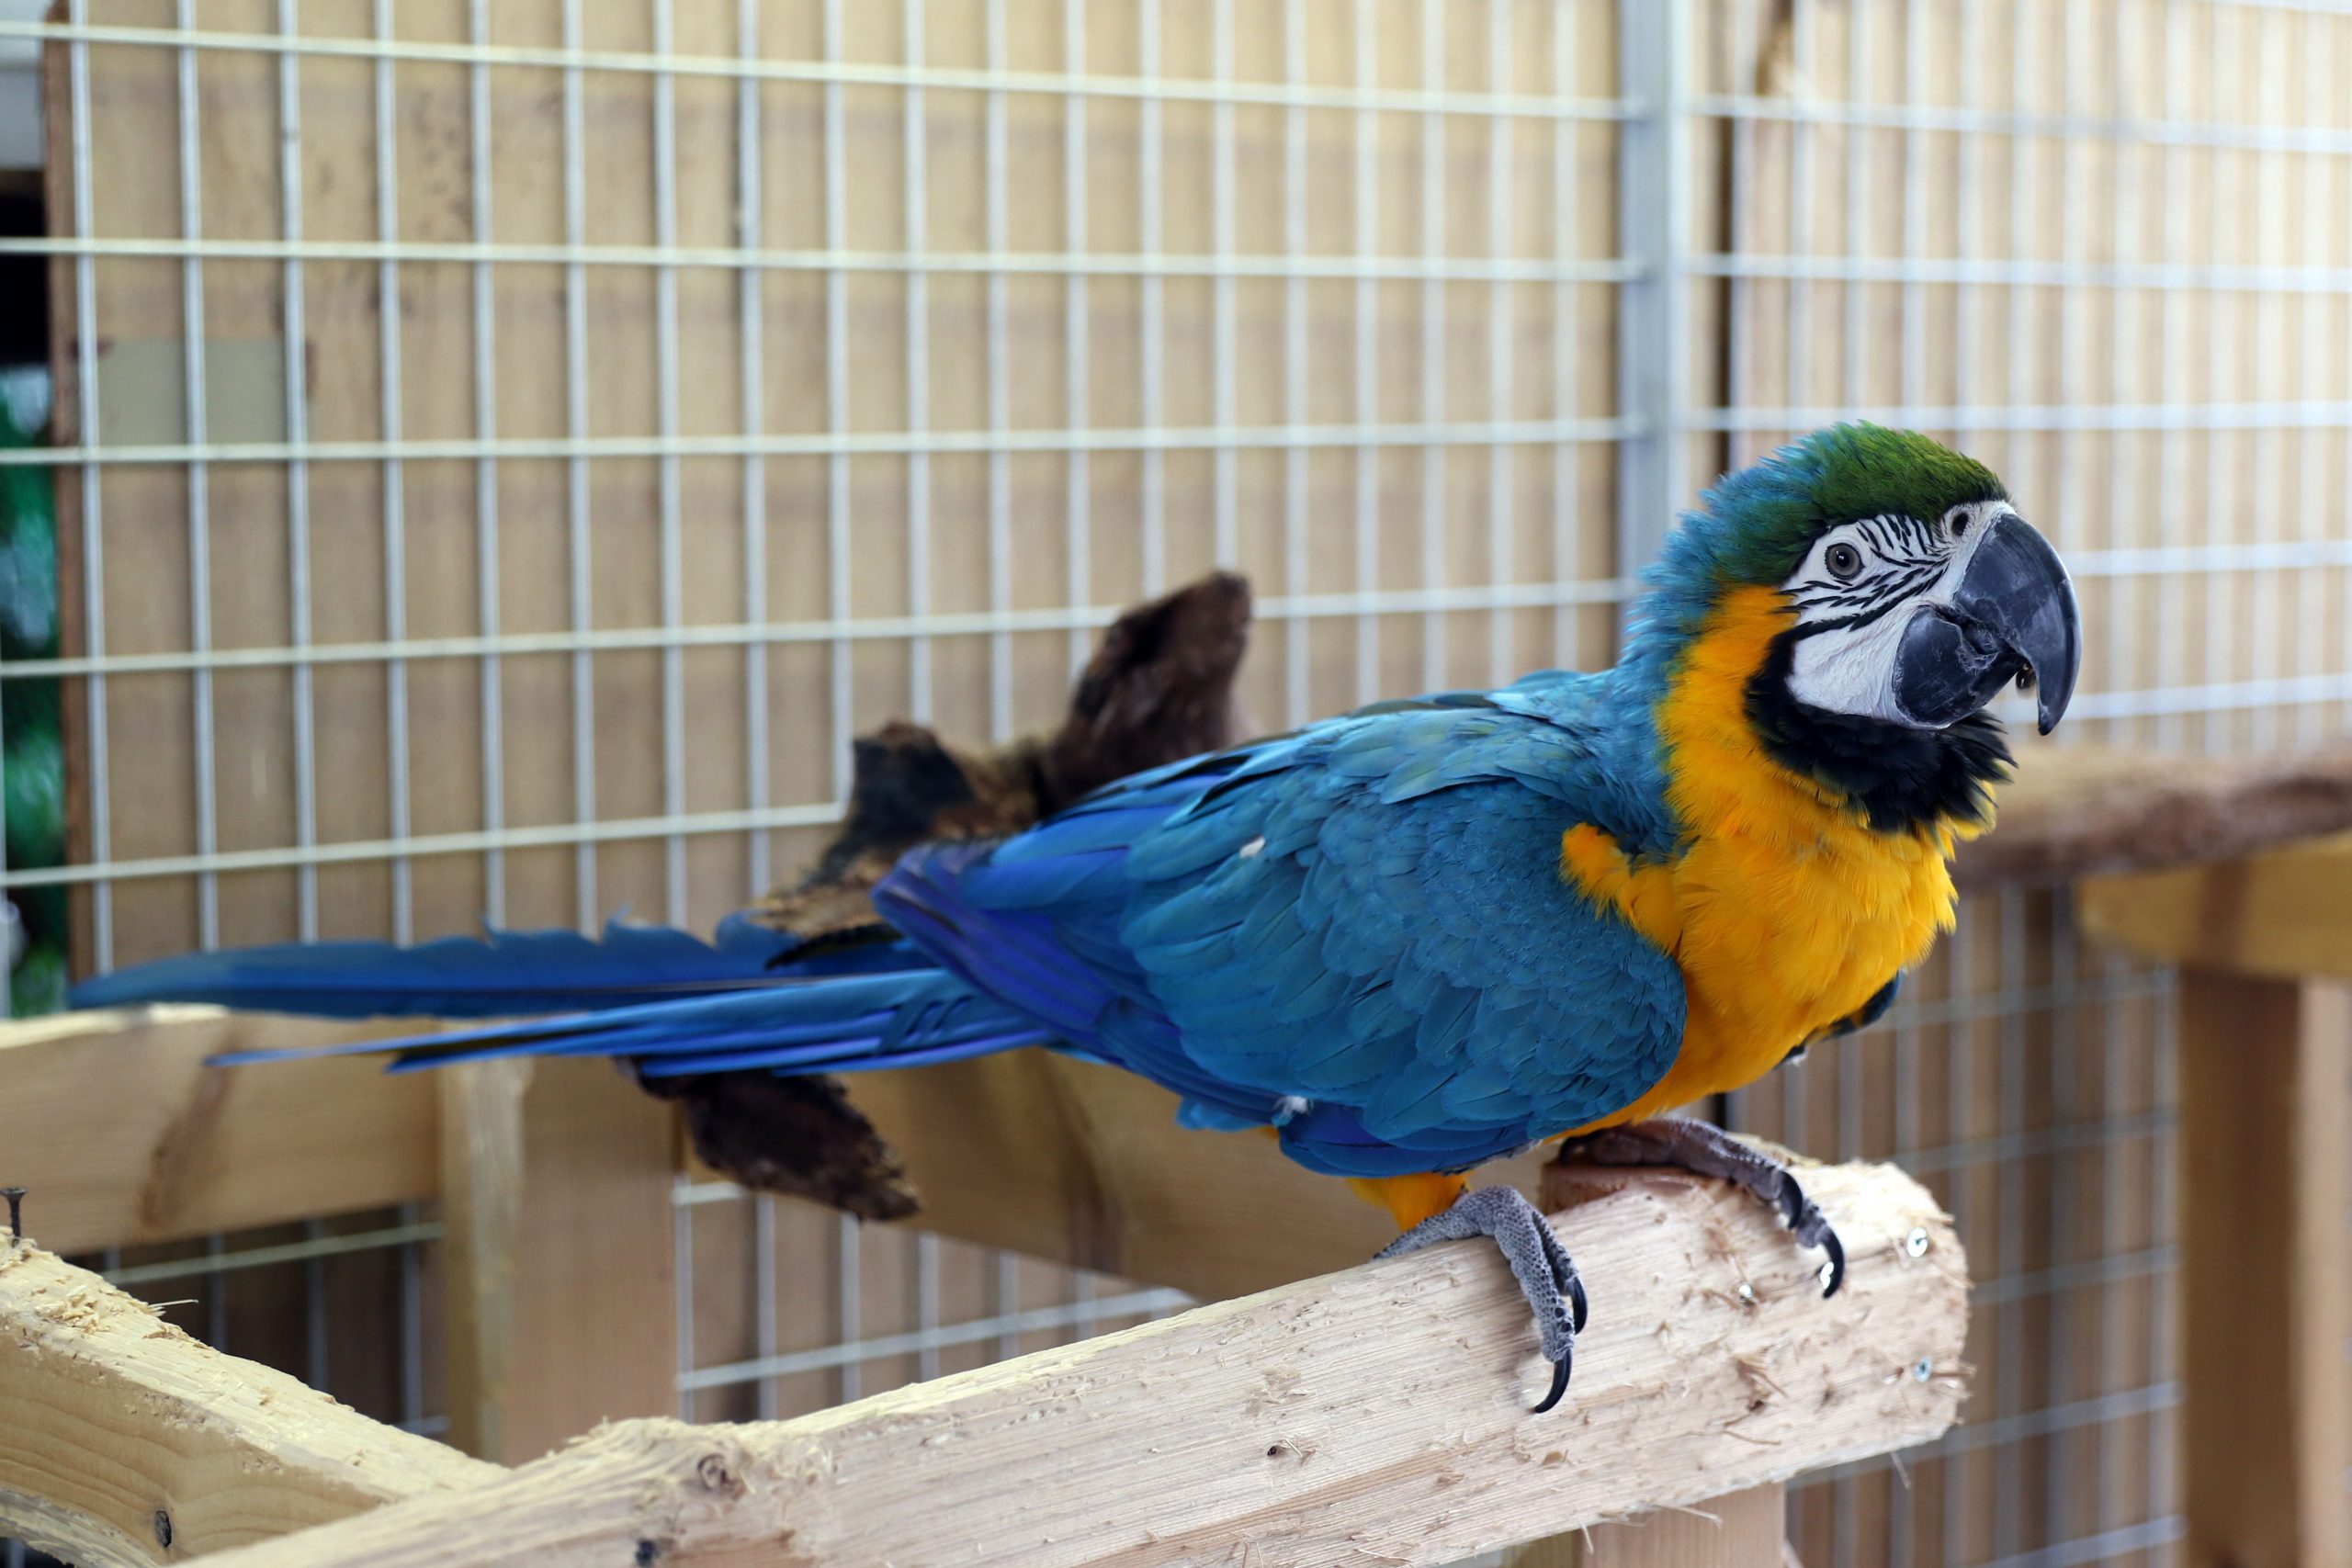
[[506, 450]]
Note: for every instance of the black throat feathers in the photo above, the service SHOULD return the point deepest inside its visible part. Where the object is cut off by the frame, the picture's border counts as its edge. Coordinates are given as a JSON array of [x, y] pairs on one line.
[[1904, 779]]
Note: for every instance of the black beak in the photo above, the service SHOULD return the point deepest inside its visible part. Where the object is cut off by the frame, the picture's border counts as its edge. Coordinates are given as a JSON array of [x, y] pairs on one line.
[[2013, 618]]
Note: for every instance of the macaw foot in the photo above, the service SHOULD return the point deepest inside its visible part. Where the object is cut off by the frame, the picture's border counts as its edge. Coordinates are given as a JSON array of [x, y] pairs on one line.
[[1546, 1276], [1704, 1149]]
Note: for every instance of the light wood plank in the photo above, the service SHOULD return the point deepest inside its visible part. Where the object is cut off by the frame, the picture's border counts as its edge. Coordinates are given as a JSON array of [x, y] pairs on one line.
[[2266, 1422], [2284, 913], [127, 1441], [121, 1133], [1062, 1160], [1380, 1411]]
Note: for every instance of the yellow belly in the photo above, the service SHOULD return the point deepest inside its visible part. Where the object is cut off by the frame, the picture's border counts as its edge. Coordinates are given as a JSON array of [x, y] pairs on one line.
[[1784, 909]]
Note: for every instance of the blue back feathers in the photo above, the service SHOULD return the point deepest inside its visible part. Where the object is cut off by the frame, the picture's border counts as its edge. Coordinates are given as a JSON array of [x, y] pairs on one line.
[[1357, 933]]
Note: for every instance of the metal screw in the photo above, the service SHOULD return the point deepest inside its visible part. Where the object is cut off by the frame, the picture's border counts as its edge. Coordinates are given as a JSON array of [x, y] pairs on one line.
[[15, 1196], [162, 1529], [1747, 1294], [1916, 1244], [1923, 1370]]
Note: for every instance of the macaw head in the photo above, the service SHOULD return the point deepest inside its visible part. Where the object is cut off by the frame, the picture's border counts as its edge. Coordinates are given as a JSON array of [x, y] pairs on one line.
[[1912, 590], [1856, 599]]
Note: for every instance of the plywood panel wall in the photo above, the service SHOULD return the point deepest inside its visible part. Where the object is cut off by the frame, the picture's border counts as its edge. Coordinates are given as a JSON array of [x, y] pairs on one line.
[[858, 511]]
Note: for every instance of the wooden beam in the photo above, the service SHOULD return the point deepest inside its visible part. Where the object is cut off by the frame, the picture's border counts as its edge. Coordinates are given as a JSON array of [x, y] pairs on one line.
[[2267, 1421], [1380, 1412], [559, 1272], [127, 1441], [180, 1148], [2085, 811], [1746, 1529], [1062, 1160], [2286, 913]]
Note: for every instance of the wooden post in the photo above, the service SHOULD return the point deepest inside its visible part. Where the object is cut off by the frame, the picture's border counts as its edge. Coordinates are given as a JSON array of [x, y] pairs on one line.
[[2264, 1440], [482, 1218], [2266, 1045], [1746, 1529], [560, 1275]]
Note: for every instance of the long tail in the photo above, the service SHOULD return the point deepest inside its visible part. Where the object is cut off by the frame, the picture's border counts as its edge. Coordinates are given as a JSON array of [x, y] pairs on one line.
[[498, 974], [666, 1000]]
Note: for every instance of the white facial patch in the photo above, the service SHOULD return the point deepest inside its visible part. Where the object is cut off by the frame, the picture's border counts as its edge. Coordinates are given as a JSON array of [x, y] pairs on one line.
[[1860, 584]]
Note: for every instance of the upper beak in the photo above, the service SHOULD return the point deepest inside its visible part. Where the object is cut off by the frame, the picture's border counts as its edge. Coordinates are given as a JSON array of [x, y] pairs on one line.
[[2012, 615]]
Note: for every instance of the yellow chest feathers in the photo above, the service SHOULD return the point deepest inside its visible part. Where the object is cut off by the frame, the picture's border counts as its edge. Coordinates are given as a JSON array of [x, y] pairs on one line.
[[1784, 909]]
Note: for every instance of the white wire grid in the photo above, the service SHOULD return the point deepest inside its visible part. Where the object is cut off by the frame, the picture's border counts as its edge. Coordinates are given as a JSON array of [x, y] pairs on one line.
[[2018, 1076]]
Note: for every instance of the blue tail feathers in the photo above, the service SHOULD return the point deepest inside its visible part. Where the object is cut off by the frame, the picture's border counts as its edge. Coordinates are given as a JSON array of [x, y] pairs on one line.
[[666, 1000], [498, 974]]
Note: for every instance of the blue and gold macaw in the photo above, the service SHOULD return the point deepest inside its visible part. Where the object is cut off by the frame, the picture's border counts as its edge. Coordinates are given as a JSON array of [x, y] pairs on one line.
[[1431, 933]]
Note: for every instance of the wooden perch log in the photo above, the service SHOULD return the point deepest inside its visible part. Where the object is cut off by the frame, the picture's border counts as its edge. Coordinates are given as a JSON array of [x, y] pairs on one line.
[[126, 1441], [1379, 1413]]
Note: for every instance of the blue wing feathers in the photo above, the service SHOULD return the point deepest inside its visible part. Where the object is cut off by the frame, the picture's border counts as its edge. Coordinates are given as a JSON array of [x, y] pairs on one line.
[[1449, 954]]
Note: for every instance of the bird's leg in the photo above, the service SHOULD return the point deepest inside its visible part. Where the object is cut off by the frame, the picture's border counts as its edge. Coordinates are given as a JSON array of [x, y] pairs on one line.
[[1705, 1149], [1546, 1277]]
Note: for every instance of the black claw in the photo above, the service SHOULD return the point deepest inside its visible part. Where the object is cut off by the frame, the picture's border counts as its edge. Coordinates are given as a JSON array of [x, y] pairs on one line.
[[1794, 1202], [1836, 1269], [1559, 1381], [1575, 1287]]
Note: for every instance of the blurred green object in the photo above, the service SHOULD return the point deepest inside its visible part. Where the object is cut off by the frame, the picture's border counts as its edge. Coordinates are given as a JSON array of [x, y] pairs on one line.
[[39, 984], [32, 788], [28, 558], [32, 751]]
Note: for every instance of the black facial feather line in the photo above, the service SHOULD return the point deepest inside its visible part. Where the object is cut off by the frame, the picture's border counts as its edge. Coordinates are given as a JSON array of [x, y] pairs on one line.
[[1865, 590], [1909, 554], [1891, 532]]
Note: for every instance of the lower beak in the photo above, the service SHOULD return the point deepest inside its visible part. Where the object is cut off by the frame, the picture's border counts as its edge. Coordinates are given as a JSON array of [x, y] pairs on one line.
[[2013, 616]]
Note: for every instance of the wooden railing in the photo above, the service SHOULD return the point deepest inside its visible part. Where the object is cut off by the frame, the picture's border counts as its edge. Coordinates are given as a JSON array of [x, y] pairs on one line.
[[1382, 1409]]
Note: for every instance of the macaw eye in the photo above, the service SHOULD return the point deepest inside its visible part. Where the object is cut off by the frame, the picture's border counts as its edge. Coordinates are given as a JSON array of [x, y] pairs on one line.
[[1844, 561], [1958, 521]]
